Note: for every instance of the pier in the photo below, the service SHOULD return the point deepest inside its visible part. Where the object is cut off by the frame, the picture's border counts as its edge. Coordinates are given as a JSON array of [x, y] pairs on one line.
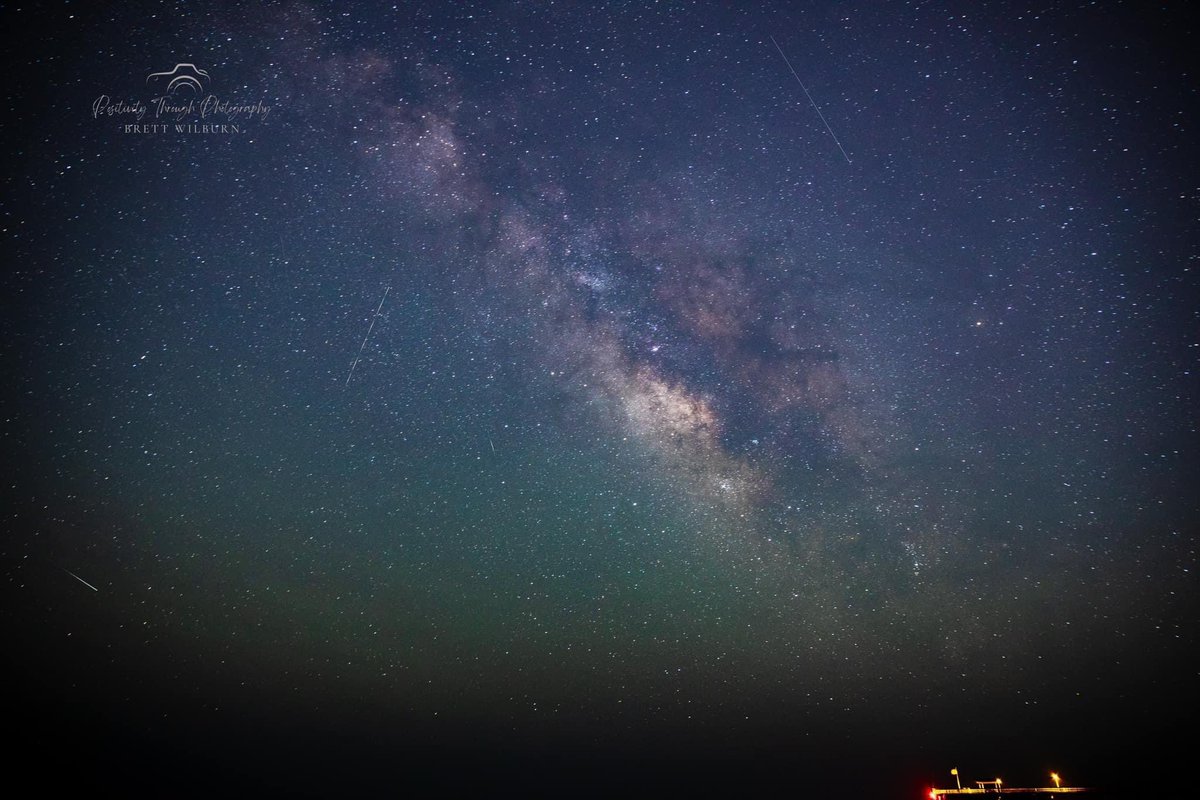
[[997, 787]]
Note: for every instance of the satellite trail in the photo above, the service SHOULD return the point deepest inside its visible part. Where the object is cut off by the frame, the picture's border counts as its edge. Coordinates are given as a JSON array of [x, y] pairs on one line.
[[370, 328], [810, 99]]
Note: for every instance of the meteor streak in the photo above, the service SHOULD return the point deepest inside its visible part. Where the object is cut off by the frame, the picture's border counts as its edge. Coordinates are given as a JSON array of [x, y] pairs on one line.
[[81, 580]]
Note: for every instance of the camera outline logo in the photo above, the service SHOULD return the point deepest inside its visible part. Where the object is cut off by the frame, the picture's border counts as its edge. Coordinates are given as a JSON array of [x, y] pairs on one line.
[[183, 76]]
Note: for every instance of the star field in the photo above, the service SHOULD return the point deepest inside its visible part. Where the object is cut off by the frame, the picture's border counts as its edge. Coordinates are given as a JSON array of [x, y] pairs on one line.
[[565, 391]]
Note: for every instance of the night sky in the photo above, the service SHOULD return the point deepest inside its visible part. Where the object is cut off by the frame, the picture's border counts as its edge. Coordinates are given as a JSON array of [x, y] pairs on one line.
[[598, 398]]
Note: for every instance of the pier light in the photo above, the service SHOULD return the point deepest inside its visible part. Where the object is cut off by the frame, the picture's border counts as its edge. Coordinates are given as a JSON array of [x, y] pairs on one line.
[[1054, 777]]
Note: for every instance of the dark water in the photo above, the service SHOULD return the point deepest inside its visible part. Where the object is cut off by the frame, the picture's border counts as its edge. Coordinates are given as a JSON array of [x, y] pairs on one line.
[[239, 752]]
